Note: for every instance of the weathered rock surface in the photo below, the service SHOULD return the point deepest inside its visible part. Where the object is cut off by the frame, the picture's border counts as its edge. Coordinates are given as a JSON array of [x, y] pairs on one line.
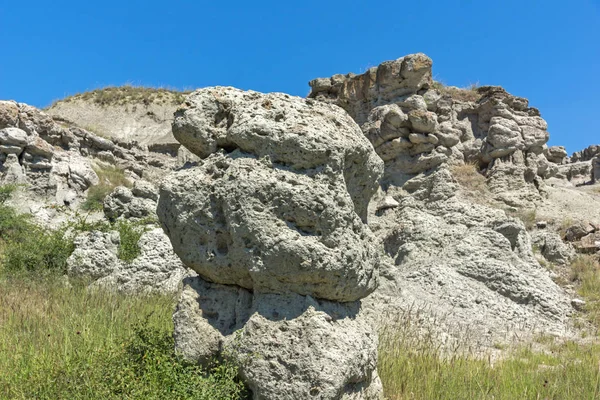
[[138, 202], [143, 121], [288, 346], [273, 220], [54, 160], [466, 266], [415, 127], [586, 154], [552, 247], [156, 269]]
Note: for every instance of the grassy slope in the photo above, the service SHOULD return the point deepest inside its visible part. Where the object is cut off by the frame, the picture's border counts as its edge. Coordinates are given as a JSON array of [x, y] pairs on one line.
[[67, 342]]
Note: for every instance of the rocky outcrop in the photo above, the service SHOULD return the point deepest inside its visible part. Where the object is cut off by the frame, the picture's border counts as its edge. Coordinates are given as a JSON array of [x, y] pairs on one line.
[[586, 154], [556, 154], [464, 265], [138, 202], [55, 160], [156, 269], [126, 114], [274, 222], [552, 247], [415, 125]]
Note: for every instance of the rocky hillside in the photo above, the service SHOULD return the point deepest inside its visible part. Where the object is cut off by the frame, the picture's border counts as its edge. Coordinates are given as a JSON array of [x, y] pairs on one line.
[[304, 226], [127, 114]]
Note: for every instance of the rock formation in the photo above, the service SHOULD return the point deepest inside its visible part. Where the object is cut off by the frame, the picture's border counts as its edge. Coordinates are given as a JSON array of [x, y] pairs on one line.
[[125, 114], [156, 269], [55, 160], [273, 221], [444, 253], [416, 125]]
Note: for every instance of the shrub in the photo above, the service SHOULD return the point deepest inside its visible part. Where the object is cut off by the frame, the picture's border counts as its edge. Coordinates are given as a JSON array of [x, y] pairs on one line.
[[28, 247], [130, 234]]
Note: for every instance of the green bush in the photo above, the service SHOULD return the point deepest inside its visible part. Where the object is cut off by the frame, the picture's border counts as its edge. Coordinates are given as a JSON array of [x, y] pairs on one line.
[[130, 234], [25, 246]]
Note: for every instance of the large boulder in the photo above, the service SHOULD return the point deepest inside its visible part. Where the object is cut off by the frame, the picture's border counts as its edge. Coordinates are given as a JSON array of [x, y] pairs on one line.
[[288, 346], [155, 269], [273, 220]]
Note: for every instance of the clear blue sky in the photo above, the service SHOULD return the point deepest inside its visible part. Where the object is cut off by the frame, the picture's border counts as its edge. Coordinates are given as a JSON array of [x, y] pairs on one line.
[[547, 51]]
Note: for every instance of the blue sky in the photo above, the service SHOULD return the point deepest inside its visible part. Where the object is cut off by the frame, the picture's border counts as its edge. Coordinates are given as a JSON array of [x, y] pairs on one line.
[[547, 51]]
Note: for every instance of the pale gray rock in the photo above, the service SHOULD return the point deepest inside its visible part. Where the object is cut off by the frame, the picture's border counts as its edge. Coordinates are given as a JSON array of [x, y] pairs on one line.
[[242, 221], [13, 137], [145, 190], [302, 134], [273, 338], [462, 125], [156, 269], [273, 220], [556, 154], [81, 175], [123, 202], [586, 154], [95, 255], [466, 266], [552, 248]]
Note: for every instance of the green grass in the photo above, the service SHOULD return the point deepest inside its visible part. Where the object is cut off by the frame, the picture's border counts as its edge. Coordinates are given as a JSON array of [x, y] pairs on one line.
[[413, 366], [26, 246], [69, 342], [110, 177], [585, 272], [412, 370], [129, 94]]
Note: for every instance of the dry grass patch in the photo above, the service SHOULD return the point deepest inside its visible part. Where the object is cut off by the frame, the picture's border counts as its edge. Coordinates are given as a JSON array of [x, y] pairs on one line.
[[469, 178], [528, 216], [413, 367], [129, 94], [469, 93], [110, 177]]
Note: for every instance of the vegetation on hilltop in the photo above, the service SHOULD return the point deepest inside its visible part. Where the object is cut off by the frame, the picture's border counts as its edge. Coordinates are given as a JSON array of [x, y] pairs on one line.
[[128, 94]]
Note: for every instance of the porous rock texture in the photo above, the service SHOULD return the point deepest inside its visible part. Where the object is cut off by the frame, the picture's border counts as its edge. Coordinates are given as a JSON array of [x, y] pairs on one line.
[[273, 219], [416, 125], [138, 202], [454, 260], [156, 269]]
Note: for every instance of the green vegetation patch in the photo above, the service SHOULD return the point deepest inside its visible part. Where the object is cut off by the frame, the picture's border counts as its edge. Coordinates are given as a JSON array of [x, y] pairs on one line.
[[25, 246], [68, 342], [413, 368]]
